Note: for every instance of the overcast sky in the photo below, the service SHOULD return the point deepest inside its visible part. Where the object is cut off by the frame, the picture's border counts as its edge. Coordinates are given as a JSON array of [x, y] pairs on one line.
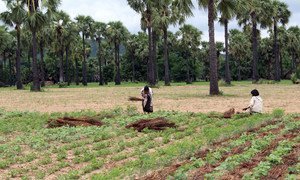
[[118, 10]]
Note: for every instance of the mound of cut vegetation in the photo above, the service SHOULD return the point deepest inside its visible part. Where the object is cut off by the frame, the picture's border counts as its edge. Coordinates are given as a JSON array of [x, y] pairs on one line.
[[154, 124], [69, 121]]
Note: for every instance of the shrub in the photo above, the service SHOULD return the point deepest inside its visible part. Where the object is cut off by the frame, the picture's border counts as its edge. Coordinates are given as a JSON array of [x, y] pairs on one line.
[[278, 113], [295, 77], [223, 83], [265, 81], [62, 84]]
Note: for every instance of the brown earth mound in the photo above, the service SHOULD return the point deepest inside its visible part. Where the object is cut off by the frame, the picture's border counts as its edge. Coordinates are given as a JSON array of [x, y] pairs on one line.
[[69, 121], [155, 124], [229, 113]]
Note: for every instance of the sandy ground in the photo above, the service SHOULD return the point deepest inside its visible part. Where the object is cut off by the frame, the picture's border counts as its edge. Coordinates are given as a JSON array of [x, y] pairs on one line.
[[178, 98]]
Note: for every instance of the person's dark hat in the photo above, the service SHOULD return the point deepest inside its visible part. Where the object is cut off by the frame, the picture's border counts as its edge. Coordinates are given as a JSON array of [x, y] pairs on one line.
[[255, 92]]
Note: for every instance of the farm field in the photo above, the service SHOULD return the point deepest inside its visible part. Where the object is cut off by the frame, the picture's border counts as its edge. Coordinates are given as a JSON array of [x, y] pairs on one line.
[[265, 146], [178, 97]]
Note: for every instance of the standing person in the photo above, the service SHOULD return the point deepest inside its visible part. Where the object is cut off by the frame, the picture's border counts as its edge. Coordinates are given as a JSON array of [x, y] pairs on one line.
[[147, 100], [256, 103]]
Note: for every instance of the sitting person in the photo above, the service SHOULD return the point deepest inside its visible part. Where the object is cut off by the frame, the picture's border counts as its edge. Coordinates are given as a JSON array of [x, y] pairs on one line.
[[256, 103], [147, 100]]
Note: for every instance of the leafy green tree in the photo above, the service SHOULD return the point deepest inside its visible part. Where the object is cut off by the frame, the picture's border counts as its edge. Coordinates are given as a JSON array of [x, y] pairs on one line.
[[239, 47], [145, 8], [292, 40], [189, 40], [61, 21], [36, 18], [227, 8], [6, 47], [117, 34], [165, 13], [280, 13], [15, 17], [84, 24], [71, 40], [99, 32], [253, 12]]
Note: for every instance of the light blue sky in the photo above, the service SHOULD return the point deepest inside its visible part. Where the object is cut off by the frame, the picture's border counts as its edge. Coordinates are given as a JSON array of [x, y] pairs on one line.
[[118, 10]]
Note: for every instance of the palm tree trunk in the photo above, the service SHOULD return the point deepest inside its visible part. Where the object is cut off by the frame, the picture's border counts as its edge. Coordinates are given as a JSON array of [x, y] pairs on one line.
[[214, 87], [42, 63], [61, 64], [239, 70], [67, 66], [293, 62], [227, 70], [76, 72], [35, 72], [100, 63], [154, 40], [2, 68], [150, 68], [255, 76], [188, 78], [84, 78], [277, 63], [166, 58], [117, 62], [10, 66], [18, 61], [133, 65]]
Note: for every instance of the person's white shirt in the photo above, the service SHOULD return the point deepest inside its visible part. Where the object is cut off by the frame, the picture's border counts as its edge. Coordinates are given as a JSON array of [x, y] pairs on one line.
[[150, 92], [256, 104]]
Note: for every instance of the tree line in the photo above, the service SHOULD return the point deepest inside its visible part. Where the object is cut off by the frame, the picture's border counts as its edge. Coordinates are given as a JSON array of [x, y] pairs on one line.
[[39, 44]]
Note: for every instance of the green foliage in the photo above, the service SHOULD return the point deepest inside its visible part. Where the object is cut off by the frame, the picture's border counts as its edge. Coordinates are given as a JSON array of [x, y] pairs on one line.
[[265, 81], [62, 84], [278, 113], [222, 83]]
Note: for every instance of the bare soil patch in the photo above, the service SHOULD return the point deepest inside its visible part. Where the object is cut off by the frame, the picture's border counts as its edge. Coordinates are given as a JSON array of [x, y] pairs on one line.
[[154, 124], [192, 98], [69, 121]]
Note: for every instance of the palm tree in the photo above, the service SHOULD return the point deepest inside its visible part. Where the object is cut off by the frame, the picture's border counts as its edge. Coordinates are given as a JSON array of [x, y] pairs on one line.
[[132, 45], [189, 40], [238, 48], [44, 37], [70, 41], [227, 8], [84, 23], [15, 16], [99, 31], [253, 12], [292, 40], [6, 42], [165, 13], [280, 13], [210, 5], [36, 19], [61, 20], [117, 34], [145, 8]]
